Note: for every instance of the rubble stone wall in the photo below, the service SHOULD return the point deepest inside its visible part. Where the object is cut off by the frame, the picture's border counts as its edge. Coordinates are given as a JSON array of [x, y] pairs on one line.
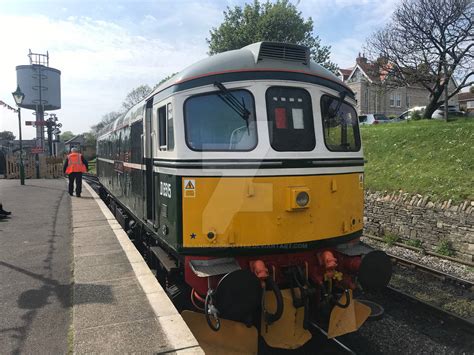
[[416, 218]]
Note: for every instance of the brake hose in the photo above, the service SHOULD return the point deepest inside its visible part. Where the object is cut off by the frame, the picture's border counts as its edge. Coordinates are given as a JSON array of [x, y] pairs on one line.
[[273, 317], [208, 309], [348, 300]]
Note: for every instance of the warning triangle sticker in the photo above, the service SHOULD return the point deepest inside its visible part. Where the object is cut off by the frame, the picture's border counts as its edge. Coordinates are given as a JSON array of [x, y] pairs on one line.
[[189, 185]]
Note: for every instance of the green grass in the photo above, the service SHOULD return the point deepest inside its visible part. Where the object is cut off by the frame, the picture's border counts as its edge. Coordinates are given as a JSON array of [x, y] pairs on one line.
[[429, 157]]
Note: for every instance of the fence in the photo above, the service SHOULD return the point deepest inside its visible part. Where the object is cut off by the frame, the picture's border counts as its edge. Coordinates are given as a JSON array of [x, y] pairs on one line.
[[49, 167]]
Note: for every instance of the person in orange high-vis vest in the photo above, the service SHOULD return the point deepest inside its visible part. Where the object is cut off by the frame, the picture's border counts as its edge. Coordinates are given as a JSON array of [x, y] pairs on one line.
[[74, 166]]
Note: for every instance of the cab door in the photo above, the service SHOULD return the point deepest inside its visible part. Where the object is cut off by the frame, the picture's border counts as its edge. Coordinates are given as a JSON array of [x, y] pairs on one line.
[[149, 193]]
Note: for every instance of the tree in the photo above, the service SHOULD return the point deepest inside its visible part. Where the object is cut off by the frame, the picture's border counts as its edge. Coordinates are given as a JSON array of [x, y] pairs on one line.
[[164, 80], [105, 120], [278, 22], [7, 135], [67, 135], [135, 96], [427, 43]]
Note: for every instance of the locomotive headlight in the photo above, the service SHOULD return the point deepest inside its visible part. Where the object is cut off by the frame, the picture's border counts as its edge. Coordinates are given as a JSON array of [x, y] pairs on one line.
[[298, 198], [302, 199]]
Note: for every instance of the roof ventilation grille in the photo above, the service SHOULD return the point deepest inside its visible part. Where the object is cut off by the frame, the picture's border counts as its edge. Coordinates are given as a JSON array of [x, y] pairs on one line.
[[284, 51]]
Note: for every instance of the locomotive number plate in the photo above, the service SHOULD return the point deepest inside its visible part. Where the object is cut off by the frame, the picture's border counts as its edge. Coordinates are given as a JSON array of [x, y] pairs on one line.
[[165, 189]]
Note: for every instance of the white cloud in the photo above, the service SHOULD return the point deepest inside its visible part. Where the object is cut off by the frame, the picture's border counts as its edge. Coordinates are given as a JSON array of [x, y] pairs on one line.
[[100, 62]]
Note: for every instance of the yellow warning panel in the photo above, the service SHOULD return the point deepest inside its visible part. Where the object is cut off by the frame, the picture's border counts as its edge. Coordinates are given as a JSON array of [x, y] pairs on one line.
[[233, 338], [189, 188], [347, 320]]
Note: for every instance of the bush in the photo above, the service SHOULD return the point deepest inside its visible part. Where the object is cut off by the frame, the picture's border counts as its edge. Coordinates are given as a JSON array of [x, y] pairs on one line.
[[416, 115], [390, 239], [445, 248], [414, 243]]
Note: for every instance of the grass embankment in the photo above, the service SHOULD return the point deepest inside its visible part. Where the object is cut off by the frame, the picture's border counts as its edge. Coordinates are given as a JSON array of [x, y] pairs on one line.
[[428, 157]]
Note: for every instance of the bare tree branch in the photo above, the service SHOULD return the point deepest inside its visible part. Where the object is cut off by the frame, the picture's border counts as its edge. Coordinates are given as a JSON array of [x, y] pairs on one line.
[[430, 42]]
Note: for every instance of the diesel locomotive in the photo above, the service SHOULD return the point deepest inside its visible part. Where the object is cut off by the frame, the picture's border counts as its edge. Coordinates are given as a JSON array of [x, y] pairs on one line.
[[241, 179]]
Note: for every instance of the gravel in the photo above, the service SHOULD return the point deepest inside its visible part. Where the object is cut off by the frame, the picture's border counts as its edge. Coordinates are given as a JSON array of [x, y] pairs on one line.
[[432, 290], [406, 328], [449, 267]]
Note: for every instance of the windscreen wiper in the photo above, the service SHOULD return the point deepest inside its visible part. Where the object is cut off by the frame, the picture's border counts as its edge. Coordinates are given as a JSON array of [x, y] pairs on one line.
[[233, 102], [342, 96]]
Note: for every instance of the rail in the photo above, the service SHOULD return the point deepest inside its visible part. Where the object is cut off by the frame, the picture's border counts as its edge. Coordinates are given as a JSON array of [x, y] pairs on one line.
[[420, 250], [440, 274], [447, 315]]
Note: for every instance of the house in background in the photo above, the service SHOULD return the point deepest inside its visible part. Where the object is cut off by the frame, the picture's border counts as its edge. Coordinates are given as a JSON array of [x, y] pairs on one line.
[[75, 142], [375, 94], [80, 142], [466, 102]]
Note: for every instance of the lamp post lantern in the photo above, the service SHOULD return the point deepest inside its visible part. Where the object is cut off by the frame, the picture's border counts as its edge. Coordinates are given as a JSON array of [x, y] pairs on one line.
[[18, 96]]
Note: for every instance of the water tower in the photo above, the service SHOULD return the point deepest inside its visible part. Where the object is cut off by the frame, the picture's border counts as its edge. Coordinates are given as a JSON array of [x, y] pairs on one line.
[[42, 88]]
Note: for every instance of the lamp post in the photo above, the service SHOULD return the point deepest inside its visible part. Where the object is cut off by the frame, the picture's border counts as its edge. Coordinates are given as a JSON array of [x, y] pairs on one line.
[[18, 96]]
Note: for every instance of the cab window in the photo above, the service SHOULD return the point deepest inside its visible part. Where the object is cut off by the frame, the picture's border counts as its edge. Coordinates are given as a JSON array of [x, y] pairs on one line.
[[215, 123], [341, 131], [290, 119]]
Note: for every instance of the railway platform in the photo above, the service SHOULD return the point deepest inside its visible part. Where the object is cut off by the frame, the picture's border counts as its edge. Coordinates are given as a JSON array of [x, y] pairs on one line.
[[71, 280]]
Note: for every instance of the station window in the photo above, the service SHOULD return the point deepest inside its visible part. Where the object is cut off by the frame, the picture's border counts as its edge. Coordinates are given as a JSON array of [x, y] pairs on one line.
[[290, 119], [341, 132], [221, 121]]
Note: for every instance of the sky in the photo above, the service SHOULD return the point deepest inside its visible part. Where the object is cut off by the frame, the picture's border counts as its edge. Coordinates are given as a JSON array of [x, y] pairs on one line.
[[104, 49]]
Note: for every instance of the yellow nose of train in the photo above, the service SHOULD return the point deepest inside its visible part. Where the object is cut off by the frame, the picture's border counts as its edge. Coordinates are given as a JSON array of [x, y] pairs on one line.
[[267, 211]]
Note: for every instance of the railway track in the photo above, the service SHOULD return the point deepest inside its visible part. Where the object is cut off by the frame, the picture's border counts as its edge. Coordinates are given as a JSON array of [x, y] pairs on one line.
[[444, 314], [420, 250], [453, 281], [92, 180], [466, 284]]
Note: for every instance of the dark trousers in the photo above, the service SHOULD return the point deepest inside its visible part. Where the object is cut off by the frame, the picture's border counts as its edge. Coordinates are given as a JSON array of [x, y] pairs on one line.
[[78, 178]]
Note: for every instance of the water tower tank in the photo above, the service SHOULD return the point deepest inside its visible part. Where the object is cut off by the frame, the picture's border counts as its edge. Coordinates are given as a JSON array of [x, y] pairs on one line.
[[41, 85]]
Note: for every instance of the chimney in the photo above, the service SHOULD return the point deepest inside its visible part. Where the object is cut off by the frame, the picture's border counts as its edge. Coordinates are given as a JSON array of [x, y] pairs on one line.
[[361, 59]]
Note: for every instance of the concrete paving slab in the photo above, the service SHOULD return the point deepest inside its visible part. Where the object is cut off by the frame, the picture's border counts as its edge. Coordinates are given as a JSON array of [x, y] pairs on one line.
[[87, 216], [141, 269], [84, 261], [82, 250], [96, 231], [88, 223], [103, 272], [149, 283], [122, 301], [144, 337], [177, 333], [85, 239], [83, 206], [161, 304]]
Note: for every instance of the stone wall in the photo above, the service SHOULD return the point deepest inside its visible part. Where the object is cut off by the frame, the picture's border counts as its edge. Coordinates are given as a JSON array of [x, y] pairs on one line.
[[416, 218]]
